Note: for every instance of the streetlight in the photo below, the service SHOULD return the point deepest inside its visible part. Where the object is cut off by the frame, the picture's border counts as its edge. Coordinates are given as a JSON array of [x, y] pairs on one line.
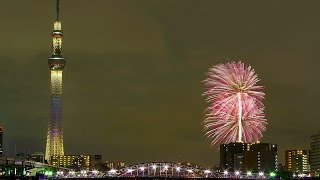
[[71, 173], [142, 169], [272, 174], [154, 167], [112, 172], [261, 173], [83, 173], [207, 172], [130, 171], [166, 169], [225, 172]]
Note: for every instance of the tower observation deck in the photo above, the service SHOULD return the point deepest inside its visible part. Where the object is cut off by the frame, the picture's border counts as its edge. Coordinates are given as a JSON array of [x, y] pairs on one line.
[[54, 145]]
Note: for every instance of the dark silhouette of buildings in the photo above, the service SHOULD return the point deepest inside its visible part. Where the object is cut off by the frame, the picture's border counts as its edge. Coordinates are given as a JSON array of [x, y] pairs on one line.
[[254, 157], [38, 157], [315, 153], [262, 157], [232, 156]]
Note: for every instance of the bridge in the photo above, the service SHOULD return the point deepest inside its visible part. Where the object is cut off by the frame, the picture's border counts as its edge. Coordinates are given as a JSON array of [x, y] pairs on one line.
[[160, 170], [11, 167]]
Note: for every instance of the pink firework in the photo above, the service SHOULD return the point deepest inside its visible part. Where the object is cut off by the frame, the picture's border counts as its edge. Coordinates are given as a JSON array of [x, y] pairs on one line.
[[236, 110]]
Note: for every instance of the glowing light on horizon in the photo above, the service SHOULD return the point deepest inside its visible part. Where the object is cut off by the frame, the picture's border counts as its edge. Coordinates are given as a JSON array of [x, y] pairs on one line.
[[235, 112]]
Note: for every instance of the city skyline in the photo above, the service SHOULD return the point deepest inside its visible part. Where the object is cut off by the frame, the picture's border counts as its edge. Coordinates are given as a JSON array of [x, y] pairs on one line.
[[137, 68]]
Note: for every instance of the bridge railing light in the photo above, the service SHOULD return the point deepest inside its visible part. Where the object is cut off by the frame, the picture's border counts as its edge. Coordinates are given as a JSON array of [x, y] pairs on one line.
[[249, 173], [237, 173], [129, 170], [207, 171], [178, 169], [113, 171], [225, 172], [154, 167]]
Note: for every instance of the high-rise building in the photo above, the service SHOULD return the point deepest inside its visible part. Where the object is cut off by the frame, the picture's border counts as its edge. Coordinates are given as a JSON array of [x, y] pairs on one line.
[[98, 158], [232, 156], [297, 161], [1, 141], [72, 161], [56, 62], [85, 162], [97, 161], [315, 153], [38, 157], [262, 157], [254, 157]]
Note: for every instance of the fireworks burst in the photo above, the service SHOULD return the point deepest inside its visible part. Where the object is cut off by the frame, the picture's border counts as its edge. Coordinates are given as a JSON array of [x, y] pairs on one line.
[[236, 109]]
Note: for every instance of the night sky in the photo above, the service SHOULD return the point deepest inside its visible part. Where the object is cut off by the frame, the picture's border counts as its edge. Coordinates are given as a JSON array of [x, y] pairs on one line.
[[134, 72]]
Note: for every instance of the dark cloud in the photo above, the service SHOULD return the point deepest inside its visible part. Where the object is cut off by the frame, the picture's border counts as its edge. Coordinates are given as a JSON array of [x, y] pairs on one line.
[[132, 83]]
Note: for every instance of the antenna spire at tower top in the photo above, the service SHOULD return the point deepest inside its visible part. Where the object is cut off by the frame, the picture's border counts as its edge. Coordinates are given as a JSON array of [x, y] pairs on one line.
[[58, 10]]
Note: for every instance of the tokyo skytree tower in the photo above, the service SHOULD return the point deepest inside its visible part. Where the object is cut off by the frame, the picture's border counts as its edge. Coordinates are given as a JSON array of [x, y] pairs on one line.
[[56, 62]]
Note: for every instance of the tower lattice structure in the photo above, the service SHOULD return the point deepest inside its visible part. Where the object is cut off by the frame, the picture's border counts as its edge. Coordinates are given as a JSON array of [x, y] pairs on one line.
[[54, 145]]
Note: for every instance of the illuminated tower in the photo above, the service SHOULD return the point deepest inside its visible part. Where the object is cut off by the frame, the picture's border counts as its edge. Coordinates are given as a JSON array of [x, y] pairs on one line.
[[56, 64]]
